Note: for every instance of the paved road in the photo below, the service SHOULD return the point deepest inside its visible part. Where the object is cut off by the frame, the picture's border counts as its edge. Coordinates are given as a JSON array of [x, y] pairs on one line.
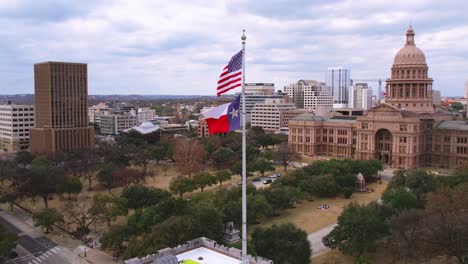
[[315, 240], [40, 250]]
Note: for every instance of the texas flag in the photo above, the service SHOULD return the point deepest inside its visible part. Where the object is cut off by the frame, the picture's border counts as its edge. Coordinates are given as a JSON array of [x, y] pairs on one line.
[[223, 118]]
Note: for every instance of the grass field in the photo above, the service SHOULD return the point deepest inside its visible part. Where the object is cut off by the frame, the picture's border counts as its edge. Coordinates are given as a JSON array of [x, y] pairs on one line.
[[307, 217]]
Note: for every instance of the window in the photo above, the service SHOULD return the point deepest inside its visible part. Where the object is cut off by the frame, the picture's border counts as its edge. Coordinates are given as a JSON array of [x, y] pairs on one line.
[[403, 127], [365, 125], [403, 139]]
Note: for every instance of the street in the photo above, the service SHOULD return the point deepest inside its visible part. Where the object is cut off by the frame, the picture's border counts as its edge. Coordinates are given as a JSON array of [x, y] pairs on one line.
[[32, 246]]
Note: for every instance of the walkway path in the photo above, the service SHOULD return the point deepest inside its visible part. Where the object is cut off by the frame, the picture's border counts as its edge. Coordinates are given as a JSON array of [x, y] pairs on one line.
[[315, 239]]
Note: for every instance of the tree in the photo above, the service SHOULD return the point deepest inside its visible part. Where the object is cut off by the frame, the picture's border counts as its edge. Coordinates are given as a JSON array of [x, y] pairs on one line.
[[142, 157], [223, 158], [159, 152], [262, 166], [285, 155], [282, 244], [406, 233], [257, 206], [141, 196], [42, 180], [6, 171], [80, 215], [127, 176], [69, 185], [106, 175], [189, 156], [280, 198], [8, 196], [400, 198], [222, 176], [323, 186], [107, 208], [114, 237], [457, 106], [420, 182], [24, 158], [203, 179], [181, 185], [47, 218], [8, 242], [359, 227]]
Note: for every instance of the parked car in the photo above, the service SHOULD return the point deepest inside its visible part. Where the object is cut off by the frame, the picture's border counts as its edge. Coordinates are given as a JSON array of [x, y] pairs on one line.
[[257, 179], [267, 181], [273, 176]]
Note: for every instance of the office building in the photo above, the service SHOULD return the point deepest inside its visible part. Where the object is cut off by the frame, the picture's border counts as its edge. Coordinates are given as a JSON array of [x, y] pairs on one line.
[[436, 98], [101, 108], [311, 95], [360, 96], [114, 124], [15, 123], [274, 114], [466, 89], [145, 114], [263, 88], [61, 108], [339, 80]]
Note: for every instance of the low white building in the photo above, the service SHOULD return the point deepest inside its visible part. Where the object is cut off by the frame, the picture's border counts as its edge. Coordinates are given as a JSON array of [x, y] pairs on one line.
[[15, 122], [145, 128], [311, 95], [274, 114], [114, 124], [202, 251]]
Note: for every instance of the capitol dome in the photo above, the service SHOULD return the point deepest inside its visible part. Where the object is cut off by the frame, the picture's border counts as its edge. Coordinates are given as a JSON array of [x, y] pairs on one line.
[[410, 54]]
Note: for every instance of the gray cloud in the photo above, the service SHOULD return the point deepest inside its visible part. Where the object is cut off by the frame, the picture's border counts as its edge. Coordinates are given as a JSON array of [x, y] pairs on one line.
[[179, 47]]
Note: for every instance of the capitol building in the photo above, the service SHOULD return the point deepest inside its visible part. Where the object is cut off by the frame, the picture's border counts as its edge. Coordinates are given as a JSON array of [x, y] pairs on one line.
[[407, 131]]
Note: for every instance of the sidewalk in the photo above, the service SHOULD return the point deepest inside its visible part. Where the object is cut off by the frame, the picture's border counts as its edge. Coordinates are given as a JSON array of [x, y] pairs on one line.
[[315, 239], [71, 246]]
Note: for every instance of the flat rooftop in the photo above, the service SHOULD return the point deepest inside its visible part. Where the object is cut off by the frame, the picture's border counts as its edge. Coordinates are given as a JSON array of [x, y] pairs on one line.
[[208, 257]]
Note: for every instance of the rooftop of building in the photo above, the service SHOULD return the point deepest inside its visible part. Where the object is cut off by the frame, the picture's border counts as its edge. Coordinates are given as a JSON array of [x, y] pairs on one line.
[[452, 125], [198, 251], [334, 118]]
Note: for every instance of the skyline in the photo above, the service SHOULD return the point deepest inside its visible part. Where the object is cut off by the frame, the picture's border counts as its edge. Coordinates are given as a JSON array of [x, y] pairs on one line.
[[179, 48]]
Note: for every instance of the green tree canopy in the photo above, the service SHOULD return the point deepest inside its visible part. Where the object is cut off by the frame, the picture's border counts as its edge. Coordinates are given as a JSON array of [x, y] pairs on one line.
[[181, 185], [282, 243], [359, 227], [47, 218]]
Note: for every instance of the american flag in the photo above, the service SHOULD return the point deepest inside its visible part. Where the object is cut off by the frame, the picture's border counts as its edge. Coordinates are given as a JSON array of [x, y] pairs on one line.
[[231, 77]]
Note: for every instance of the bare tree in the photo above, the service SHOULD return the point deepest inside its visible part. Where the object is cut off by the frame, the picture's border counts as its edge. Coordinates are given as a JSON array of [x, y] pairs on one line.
[[79, 215], [189, 156], [285, 155]]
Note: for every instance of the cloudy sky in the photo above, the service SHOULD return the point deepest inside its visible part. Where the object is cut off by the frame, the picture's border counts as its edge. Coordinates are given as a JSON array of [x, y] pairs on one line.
[[179, 47]]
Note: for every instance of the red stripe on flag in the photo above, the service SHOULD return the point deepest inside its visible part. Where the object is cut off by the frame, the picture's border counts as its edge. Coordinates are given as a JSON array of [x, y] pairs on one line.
[[230, 88], [229, 83], [229, 77], [216, 126]]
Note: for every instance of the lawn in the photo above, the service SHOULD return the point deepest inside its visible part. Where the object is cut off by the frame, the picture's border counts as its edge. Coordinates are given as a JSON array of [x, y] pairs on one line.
[[307, 217]]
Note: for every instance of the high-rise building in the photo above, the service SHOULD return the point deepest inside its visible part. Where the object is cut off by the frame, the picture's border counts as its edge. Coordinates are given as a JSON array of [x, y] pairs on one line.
[[15, 123], [311, 95], [274, 114], [360, 96], [436, 97], [61, 104], [263, 88], [409, 87], [466, 89], [339, 80]]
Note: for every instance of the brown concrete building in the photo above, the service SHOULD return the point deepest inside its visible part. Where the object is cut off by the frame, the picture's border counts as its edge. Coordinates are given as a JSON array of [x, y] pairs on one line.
[[61, 103], [404, 132]]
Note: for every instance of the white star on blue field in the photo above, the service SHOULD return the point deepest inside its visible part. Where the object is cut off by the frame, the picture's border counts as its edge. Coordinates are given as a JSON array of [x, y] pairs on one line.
[[180, 47]]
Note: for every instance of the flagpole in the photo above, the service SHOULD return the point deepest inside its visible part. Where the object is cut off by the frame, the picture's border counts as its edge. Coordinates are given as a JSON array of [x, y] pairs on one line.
[[244, 160]]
